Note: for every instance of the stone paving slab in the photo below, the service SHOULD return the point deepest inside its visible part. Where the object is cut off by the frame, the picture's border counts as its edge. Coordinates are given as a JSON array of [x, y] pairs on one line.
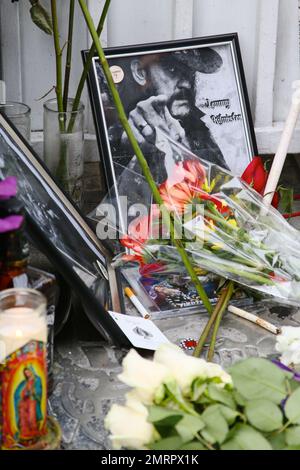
[[86, 382], [86, 372]]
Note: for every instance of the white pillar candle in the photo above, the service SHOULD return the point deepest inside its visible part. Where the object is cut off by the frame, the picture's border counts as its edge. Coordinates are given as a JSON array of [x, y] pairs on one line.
[[19, 326], [23, 368], [281, 153]]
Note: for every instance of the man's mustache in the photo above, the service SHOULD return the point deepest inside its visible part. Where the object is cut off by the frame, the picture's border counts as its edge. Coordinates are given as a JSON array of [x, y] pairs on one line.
[[182, 95]]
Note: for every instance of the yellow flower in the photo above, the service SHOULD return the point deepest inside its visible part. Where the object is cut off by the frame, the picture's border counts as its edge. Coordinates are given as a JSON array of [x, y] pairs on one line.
[[209, 225], [217, 246], [208, 188], [200, 271], [232, 222]]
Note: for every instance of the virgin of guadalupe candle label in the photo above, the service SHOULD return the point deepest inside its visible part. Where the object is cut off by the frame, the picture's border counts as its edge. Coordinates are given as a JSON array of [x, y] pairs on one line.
[[23, 396]]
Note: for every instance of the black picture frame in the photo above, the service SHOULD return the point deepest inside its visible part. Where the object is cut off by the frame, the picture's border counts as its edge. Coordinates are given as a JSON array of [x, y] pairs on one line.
[[113, 158], [60, 231]]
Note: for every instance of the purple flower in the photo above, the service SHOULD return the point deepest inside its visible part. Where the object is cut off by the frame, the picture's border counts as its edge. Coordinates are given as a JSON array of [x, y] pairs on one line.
[[12, 222], [8, 187]]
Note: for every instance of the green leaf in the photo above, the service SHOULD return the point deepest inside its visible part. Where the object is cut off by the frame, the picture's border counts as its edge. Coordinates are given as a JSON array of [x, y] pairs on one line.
[[229, 414], [293, 385], [170, 443], [188, 427], [204, 400], [194, 445], [174, 394], [286, 199], [198, 388], [257, 378], [264, 415], [292, 436], [41, 18], [220, 395], [245, 437], [163, 416], [216, 427], [240, 400], [292, 407], [277, 441]]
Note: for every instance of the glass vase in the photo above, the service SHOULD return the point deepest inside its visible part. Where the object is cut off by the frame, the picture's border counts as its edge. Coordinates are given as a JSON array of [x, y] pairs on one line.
[[63, 147], [19, 115]]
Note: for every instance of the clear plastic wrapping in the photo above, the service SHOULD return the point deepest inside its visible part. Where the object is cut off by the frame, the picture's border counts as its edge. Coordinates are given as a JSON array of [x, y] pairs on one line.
[[219, 219]]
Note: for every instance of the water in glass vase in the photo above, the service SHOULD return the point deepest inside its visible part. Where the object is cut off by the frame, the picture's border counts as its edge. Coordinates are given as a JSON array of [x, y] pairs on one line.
[[63, 147]]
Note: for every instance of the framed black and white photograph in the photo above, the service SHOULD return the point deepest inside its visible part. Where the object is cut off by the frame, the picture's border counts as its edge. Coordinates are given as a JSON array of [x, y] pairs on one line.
[[56, 227], [194, 90]]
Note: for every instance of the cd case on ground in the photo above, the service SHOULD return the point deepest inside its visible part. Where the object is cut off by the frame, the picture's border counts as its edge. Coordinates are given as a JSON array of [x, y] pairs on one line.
[[174, 294]]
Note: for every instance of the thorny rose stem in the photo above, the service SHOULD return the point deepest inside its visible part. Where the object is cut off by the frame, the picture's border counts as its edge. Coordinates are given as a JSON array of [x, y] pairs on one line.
[[87, 66], [204, 335], [58, 56], [227, 297], [69, 55]]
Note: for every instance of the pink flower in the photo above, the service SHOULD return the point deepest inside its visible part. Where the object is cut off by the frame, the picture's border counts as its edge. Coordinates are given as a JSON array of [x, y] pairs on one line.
[[150, 268], [193, 172], [188, 189], [10, 223], [8, 187]]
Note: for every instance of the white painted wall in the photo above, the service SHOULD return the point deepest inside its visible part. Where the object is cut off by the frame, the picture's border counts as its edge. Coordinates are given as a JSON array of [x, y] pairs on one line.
[[268, 32]]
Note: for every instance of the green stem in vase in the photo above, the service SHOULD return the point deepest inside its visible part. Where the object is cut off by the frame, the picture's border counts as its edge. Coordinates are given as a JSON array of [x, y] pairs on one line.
[[142, 161], [58, 59], [229, 291], [87, 66], [61, 172], [69, 55]]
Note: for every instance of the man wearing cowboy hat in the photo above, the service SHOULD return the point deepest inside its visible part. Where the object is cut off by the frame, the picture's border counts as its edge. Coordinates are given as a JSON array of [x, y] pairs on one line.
[[160, 93]]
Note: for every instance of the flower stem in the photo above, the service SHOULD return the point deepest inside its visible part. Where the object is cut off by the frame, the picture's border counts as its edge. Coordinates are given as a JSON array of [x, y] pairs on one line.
[[291, 215], [184, 406], [283, 428], [208, 326], [87, 65], [69, 55], [261, 278], [58, 58], [229, 291], [142, 161], [220, 219], [204, 442]]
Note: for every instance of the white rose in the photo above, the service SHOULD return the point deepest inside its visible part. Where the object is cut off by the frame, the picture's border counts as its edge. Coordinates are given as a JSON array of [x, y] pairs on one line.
[[184, 368], [128, 428], [288, 344], [133, 401], [215, 370], [146, 376]]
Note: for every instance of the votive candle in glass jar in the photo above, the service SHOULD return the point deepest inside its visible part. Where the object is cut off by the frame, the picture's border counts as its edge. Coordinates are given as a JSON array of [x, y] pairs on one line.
[[23, 367], [20, 115]]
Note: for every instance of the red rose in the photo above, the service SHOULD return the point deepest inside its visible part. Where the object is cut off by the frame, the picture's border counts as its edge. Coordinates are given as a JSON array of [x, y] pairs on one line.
[[257, 176]]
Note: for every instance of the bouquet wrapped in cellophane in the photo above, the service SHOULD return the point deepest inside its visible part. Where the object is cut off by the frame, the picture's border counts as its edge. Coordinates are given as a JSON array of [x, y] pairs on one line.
[[221, 221]]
